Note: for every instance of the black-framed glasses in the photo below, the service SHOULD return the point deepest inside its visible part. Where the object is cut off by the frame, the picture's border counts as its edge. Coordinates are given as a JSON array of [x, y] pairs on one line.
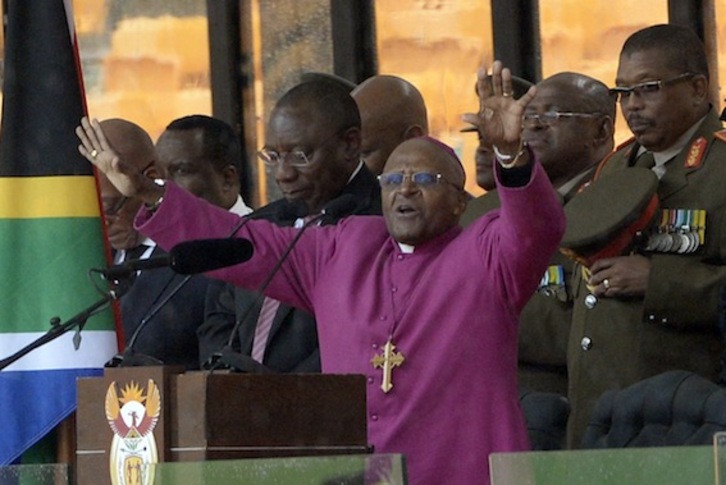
[[421, 179], [549, 118], [648, 89]]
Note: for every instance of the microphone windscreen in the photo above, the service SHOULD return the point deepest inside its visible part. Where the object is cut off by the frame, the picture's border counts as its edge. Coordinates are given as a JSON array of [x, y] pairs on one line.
[[200, 256]]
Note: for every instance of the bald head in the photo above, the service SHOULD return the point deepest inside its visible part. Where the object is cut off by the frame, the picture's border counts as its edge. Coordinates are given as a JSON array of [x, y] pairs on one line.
[[588, 94], [134, 146], [130, 141], [569, 145], [392, 110]]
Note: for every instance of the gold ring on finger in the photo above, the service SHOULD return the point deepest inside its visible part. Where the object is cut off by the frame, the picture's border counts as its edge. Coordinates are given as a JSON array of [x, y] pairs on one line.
[[94, 153]]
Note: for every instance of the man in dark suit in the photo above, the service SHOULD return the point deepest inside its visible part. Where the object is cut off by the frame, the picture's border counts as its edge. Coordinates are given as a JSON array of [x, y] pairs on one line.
[[162, 309], [313, 150], [641, 314]]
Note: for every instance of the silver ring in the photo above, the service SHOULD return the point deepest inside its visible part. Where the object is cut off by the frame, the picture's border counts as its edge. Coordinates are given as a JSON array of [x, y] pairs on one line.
[[606, 283], [507, 95], [94, 153]]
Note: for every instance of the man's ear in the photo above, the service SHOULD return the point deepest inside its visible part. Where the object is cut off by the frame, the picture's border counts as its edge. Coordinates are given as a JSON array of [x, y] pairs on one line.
[[604, 132], [413, 131], [700, 87], [152, 171], [352, 139], [460, 207], [230, 178]]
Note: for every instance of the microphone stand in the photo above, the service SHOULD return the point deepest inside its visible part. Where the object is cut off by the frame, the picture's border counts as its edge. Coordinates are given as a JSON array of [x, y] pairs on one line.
[[230, 359], [227, 357], [57, 329], [129, 357]]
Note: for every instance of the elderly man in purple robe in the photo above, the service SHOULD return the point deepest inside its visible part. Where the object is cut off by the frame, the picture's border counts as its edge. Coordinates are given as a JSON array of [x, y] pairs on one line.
[[426, 310]]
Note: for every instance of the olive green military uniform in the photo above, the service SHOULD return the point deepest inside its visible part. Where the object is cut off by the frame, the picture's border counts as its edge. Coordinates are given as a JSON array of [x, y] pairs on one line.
[[544, 323], [618, 341]]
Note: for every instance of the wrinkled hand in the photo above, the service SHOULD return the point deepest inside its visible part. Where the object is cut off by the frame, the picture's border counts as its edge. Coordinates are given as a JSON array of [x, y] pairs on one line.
[[499, 119], [124, 176], [623, 276]]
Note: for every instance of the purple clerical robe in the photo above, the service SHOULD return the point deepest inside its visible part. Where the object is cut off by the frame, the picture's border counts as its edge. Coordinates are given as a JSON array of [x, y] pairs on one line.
[[450, 308]]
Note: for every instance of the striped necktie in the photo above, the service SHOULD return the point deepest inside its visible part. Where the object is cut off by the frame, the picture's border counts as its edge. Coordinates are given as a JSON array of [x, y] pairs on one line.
[[264, 324]]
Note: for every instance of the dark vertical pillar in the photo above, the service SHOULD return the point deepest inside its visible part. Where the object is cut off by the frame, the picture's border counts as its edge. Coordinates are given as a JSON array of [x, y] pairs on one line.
[[515, 28], [226, 74], [700, 15], [353, 31]]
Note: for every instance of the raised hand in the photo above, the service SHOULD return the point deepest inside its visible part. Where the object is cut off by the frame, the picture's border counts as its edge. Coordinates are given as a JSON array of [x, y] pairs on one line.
[[124, 176], [499, 119]]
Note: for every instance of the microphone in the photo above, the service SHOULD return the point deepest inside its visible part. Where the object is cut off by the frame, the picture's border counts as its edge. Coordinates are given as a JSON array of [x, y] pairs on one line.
[[189, 257], [291, 209], [130, 357], [227, 357]]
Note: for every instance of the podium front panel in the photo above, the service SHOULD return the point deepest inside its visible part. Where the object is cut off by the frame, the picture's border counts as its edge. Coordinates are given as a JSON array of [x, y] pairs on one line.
[[101, 397], [225, 416]]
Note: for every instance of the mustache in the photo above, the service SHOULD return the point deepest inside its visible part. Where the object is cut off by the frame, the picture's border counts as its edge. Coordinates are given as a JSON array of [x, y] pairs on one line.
[[638, 120]]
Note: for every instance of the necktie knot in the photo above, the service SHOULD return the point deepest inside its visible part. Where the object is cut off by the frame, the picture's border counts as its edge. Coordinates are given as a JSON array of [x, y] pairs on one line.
[[645, 160], [136, 253]]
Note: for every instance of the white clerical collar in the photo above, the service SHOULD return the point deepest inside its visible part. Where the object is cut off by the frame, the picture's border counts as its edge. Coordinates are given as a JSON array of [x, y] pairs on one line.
[[406, 248]]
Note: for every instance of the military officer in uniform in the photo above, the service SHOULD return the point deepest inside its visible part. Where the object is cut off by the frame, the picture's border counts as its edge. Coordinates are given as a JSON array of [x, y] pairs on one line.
[[569, 126], [653, 310]]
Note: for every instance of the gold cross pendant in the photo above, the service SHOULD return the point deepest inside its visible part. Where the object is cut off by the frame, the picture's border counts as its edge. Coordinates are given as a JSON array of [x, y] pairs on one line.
[[387, 361]]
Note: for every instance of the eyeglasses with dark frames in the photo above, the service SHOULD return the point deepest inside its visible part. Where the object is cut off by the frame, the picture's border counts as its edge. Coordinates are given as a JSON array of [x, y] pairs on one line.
[[648, 89], [549, 118], [421, 179]]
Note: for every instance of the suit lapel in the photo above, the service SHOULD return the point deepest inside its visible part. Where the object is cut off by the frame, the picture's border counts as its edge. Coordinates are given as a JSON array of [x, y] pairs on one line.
[[282, 313], [246, 331]]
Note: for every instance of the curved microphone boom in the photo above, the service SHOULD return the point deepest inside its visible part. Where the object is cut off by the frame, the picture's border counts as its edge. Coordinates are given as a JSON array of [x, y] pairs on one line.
[[335, 209], [189, 258], [130, 357]]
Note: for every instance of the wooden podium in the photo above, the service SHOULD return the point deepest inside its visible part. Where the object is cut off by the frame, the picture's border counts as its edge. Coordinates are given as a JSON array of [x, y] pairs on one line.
[[203, 416]]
